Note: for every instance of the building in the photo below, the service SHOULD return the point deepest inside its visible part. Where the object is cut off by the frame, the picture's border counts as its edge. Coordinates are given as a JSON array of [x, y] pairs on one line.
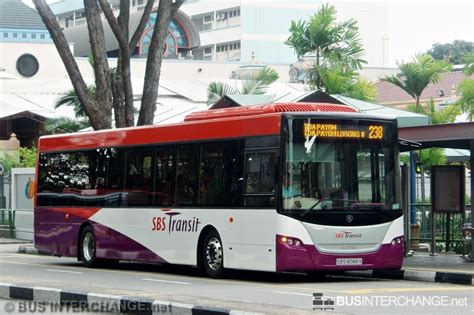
[[442, 93], [182, 35], [230, 31], [25, 43], [28, 55]]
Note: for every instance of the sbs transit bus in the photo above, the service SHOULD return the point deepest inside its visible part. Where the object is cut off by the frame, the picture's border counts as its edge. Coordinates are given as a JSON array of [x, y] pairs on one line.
[[277, 187]]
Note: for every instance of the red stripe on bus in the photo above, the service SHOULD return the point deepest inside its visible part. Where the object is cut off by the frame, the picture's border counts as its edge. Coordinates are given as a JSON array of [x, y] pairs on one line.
[[84, 213], [190, 131]]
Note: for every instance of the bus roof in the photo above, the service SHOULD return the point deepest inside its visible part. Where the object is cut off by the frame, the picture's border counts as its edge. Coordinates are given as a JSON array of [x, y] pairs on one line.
[[267, 109]]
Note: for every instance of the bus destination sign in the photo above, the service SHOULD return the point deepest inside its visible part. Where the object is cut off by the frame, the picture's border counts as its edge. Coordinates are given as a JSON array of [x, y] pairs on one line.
[[328, 130]]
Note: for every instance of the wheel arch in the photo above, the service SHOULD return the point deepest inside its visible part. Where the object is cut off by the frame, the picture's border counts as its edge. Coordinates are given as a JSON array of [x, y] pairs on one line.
[[78, 246], [202, 235]]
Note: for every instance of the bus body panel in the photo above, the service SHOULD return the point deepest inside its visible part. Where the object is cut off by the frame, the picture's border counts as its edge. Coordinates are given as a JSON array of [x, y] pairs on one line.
[[309, 256]]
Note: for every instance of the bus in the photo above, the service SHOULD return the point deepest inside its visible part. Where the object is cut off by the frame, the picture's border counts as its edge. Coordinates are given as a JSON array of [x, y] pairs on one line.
[[305, 187]]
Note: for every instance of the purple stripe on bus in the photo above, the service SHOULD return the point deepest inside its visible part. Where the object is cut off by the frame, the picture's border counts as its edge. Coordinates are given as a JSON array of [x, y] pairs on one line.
[[57, 234], [307, 258]]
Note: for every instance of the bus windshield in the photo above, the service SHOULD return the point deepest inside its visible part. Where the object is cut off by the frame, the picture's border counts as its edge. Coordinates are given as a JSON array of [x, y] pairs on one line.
[[334, 165]]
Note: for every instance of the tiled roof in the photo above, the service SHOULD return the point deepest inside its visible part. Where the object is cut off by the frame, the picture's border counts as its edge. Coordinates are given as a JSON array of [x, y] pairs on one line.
[[16, 14], [387, 92]]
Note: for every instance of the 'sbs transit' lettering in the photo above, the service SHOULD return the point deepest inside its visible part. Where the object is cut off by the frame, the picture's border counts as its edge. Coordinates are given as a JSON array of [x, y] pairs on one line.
[[173, 224]]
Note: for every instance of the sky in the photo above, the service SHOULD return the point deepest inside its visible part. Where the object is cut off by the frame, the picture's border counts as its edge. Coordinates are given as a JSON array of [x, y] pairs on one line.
[[415, 25]]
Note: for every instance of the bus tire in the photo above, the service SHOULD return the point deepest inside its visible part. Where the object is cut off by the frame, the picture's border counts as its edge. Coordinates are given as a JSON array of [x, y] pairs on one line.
[[87, 248], [212, 255]]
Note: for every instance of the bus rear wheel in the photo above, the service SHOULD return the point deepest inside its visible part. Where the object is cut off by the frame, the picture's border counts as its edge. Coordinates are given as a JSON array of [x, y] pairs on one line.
[[87, 247], [213, 255]]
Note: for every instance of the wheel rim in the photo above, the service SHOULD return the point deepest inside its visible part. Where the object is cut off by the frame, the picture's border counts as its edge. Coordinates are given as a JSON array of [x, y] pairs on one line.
[[214, 253], [88, 246]]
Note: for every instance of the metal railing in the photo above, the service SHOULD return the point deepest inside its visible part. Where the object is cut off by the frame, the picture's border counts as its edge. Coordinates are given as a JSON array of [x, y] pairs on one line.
[[7, 221], [449, 228]]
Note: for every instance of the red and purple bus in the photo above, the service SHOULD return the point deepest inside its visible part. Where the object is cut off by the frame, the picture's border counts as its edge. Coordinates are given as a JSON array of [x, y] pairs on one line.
[[277, 187]]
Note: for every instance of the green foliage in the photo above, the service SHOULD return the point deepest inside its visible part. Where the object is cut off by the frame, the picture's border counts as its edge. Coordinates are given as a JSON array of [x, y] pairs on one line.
[[332, 44], [27, 158], [415, 76], [71, 99], [451, 52], [435, 156], [343, 81], [257, 84], [469, 64], [64, 125], [445, 116], [466, 99]]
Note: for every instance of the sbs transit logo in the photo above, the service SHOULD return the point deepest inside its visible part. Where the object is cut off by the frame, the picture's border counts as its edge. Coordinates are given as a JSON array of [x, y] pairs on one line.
[[170, 223]]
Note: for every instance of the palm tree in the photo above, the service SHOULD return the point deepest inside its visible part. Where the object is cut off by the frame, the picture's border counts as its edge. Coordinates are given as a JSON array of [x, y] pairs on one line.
[[347, 82], [466, 88], [415, 76], [257, 84], [330, 43], [64, 125], [71, 99]]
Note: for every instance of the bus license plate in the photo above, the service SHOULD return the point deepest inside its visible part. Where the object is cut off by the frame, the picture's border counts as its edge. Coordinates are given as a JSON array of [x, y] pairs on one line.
[[348, 261]]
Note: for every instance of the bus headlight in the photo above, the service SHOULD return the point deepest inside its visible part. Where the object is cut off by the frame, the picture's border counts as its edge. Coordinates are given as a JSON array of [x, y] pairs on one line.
[[397, 240], [290, 241]]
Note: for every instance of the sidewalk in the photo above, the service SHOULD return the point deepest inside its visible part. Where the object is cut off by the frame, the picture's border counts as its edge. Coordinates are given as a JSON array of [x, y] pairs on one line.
[[4, 240], [443, 268]]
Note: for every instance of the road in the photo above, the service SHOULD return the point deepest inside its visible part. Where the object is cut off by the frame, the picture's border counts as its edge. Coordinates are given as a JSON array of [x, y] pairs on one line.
[[249, 291]]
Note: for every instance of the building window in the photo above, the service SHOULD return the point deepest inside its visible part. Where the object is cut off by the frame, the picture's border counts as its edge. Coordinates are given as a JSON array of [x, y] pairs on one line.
[[208, 50], [5, 35], [15, 35], [42, 36], [33, 36], [23, 35], [208, 19], [218, 48], [27, 65]]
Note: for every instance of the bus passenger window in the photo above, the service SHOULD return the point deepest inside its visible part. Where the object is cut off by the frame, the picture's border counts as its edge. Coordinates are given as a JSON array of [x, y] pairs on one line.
[[260, 180], [186, 171], [138, 177], [164, 177]]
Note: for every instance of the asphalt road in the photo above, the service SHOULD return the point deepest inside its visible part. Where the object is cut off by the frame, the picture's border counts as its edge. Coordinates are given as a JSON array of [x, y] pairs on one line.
[[248, 291]]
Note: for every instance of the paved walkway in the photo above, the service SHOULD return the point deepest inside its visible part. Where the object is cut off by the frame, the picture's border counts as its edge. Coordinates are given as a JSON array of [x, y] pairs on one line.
[[440, 263], [4, 240]]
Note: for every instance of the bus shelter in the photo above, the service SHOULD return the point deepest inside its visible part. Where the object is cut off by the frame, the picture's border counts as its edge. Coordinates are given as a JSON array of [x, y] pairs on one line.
[[455, 136]]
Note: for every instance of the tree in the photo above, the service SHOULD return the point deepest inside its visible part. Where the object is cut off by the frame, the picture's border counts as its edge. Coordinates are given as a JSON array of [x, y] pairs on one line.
[[346, 82], [435, 156], [64, 125], [332, 44], [257, 84], [415, 76], [114, 91], [26, 158], [466, 88], [451, 52]]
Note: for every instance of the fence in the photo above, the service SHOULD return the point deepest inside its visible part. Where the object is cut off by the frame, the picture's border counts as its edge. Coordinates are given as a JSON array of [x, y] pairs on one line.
[[448, 234]]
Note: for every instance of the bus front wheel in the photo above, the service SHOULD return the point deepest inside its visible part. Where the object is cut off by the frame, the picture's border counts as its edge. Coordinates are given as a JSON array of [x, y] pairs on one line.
[[88, 246], [213, 255]]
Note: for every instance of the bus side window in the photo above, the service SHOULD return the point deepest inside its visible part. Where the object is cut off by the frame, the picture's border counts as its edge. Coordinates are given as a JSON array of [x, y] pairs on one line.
[[260, 179], [186, 175], [164, 176], [138, 177], [221, 174]]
